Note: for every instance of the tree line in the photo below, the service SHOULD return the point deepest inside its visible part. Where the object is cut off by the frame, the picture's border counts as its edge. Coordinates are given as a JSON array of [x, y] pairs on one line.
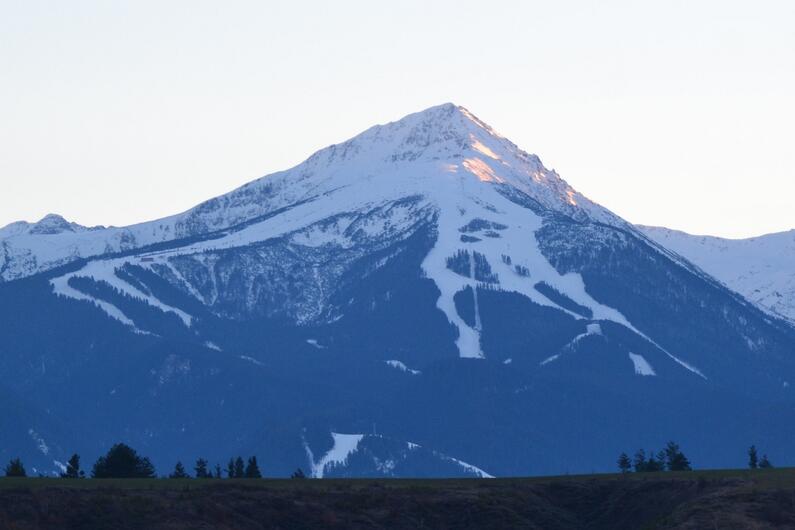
[[122, 461], [671, 458]]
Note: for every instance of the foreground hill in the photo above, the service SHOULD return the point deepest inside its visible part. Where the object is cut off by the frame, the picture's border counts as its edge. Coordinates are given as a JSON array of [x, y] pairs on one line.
[[424, 299], [693, 500]]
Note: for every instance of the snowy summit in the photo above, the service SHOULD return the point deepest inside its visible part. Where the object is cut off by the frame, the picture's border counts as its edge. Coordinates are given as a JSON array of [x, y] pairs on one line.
[[425, 271]]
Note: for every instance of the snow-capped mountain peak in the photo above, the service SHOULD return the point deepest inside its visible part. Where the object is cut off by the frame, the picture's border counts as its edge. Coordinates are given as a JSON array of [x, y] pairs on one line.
[[455, 141], [442, 167], [342, 294], [54, 224], [422, 154], [416, 154], [49, 224]]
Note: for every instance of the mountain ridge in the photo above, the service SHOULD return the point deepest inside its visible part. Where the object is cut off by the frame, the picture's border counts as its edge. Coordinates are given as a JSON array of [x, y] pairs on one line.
[[532, 320], [444, 132], [760, 268]]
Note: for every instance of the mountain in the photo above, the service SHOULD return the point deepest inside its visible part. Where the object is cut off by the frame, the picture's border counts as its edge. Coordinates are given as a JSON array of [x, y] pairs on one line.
[[426, 278], [762, 269]]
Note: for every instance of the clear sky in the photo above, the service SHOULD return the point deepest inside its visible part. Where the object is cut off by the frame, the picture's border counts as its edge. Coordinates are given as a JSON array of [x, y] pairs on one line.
[[675, 113]]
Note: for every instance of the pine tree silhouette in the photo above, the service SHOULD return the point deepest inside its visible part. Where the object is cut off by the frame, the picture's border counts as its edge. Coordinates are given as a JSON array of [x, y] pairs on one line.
[[624, 463], [753, 457], [675, 459], [201, 469], [252, 468], [122, 461], [73, 468], [639, 462], [15, 468], [240, 468], [179, 471]]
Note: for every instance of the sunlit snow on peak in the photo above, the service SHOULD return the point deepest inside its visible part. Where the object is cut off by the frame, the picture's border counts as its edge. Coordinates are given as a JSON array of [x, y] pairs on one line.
[[478, 146], [474, 119], [570, 197], [404, 158], [481, 170]]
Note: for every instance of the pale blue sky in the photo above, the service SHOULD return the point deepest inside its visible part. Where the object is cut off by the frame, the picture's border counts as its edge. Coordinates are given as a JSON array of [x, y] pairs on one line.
[[676, 113]]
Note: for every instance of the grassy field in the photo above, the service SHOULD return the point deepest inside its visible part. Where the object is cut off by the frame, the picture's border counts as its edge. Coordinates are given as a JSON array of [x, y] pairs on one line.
[[697, 499], [774, 477]]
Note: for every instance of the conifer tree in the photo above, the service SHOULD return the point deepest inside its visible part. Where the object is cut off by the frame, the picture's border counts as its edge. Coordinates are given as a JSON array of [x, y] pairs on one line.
[[230, 468], [122, 461], [240, 468], [179, 471], [73, 468], [298, 473], [639, 462], [753, 457], [201, 469], [15, 468], [660, 465], [655, 462], [764, 463], [217, 471], [675, 459], [252, 468], [624, 463]]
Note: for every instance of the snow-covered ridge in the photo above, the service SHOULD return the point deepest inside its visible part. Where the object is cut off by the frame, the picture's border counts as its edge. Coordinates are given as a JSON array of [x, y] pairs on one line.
[[435, 145], [48, 225], [761, 269]]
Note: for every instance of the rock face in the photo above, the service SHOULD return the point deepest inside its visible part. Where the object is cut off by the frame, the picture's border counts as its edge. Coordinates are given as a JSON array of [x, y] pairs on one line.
[[426, 276]]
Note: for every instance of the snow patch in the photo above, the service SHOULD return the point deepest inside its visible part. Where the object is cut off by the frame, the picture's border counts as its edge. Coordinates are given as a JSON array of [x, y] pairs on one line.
[[676, 359], [252, 360], [472, 469], [61, 287], [590, 329], [549, 359], [60, 465], [344, 445], [41, 445], [642, 366], [468, 467], [402, 367], [105, 271]]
